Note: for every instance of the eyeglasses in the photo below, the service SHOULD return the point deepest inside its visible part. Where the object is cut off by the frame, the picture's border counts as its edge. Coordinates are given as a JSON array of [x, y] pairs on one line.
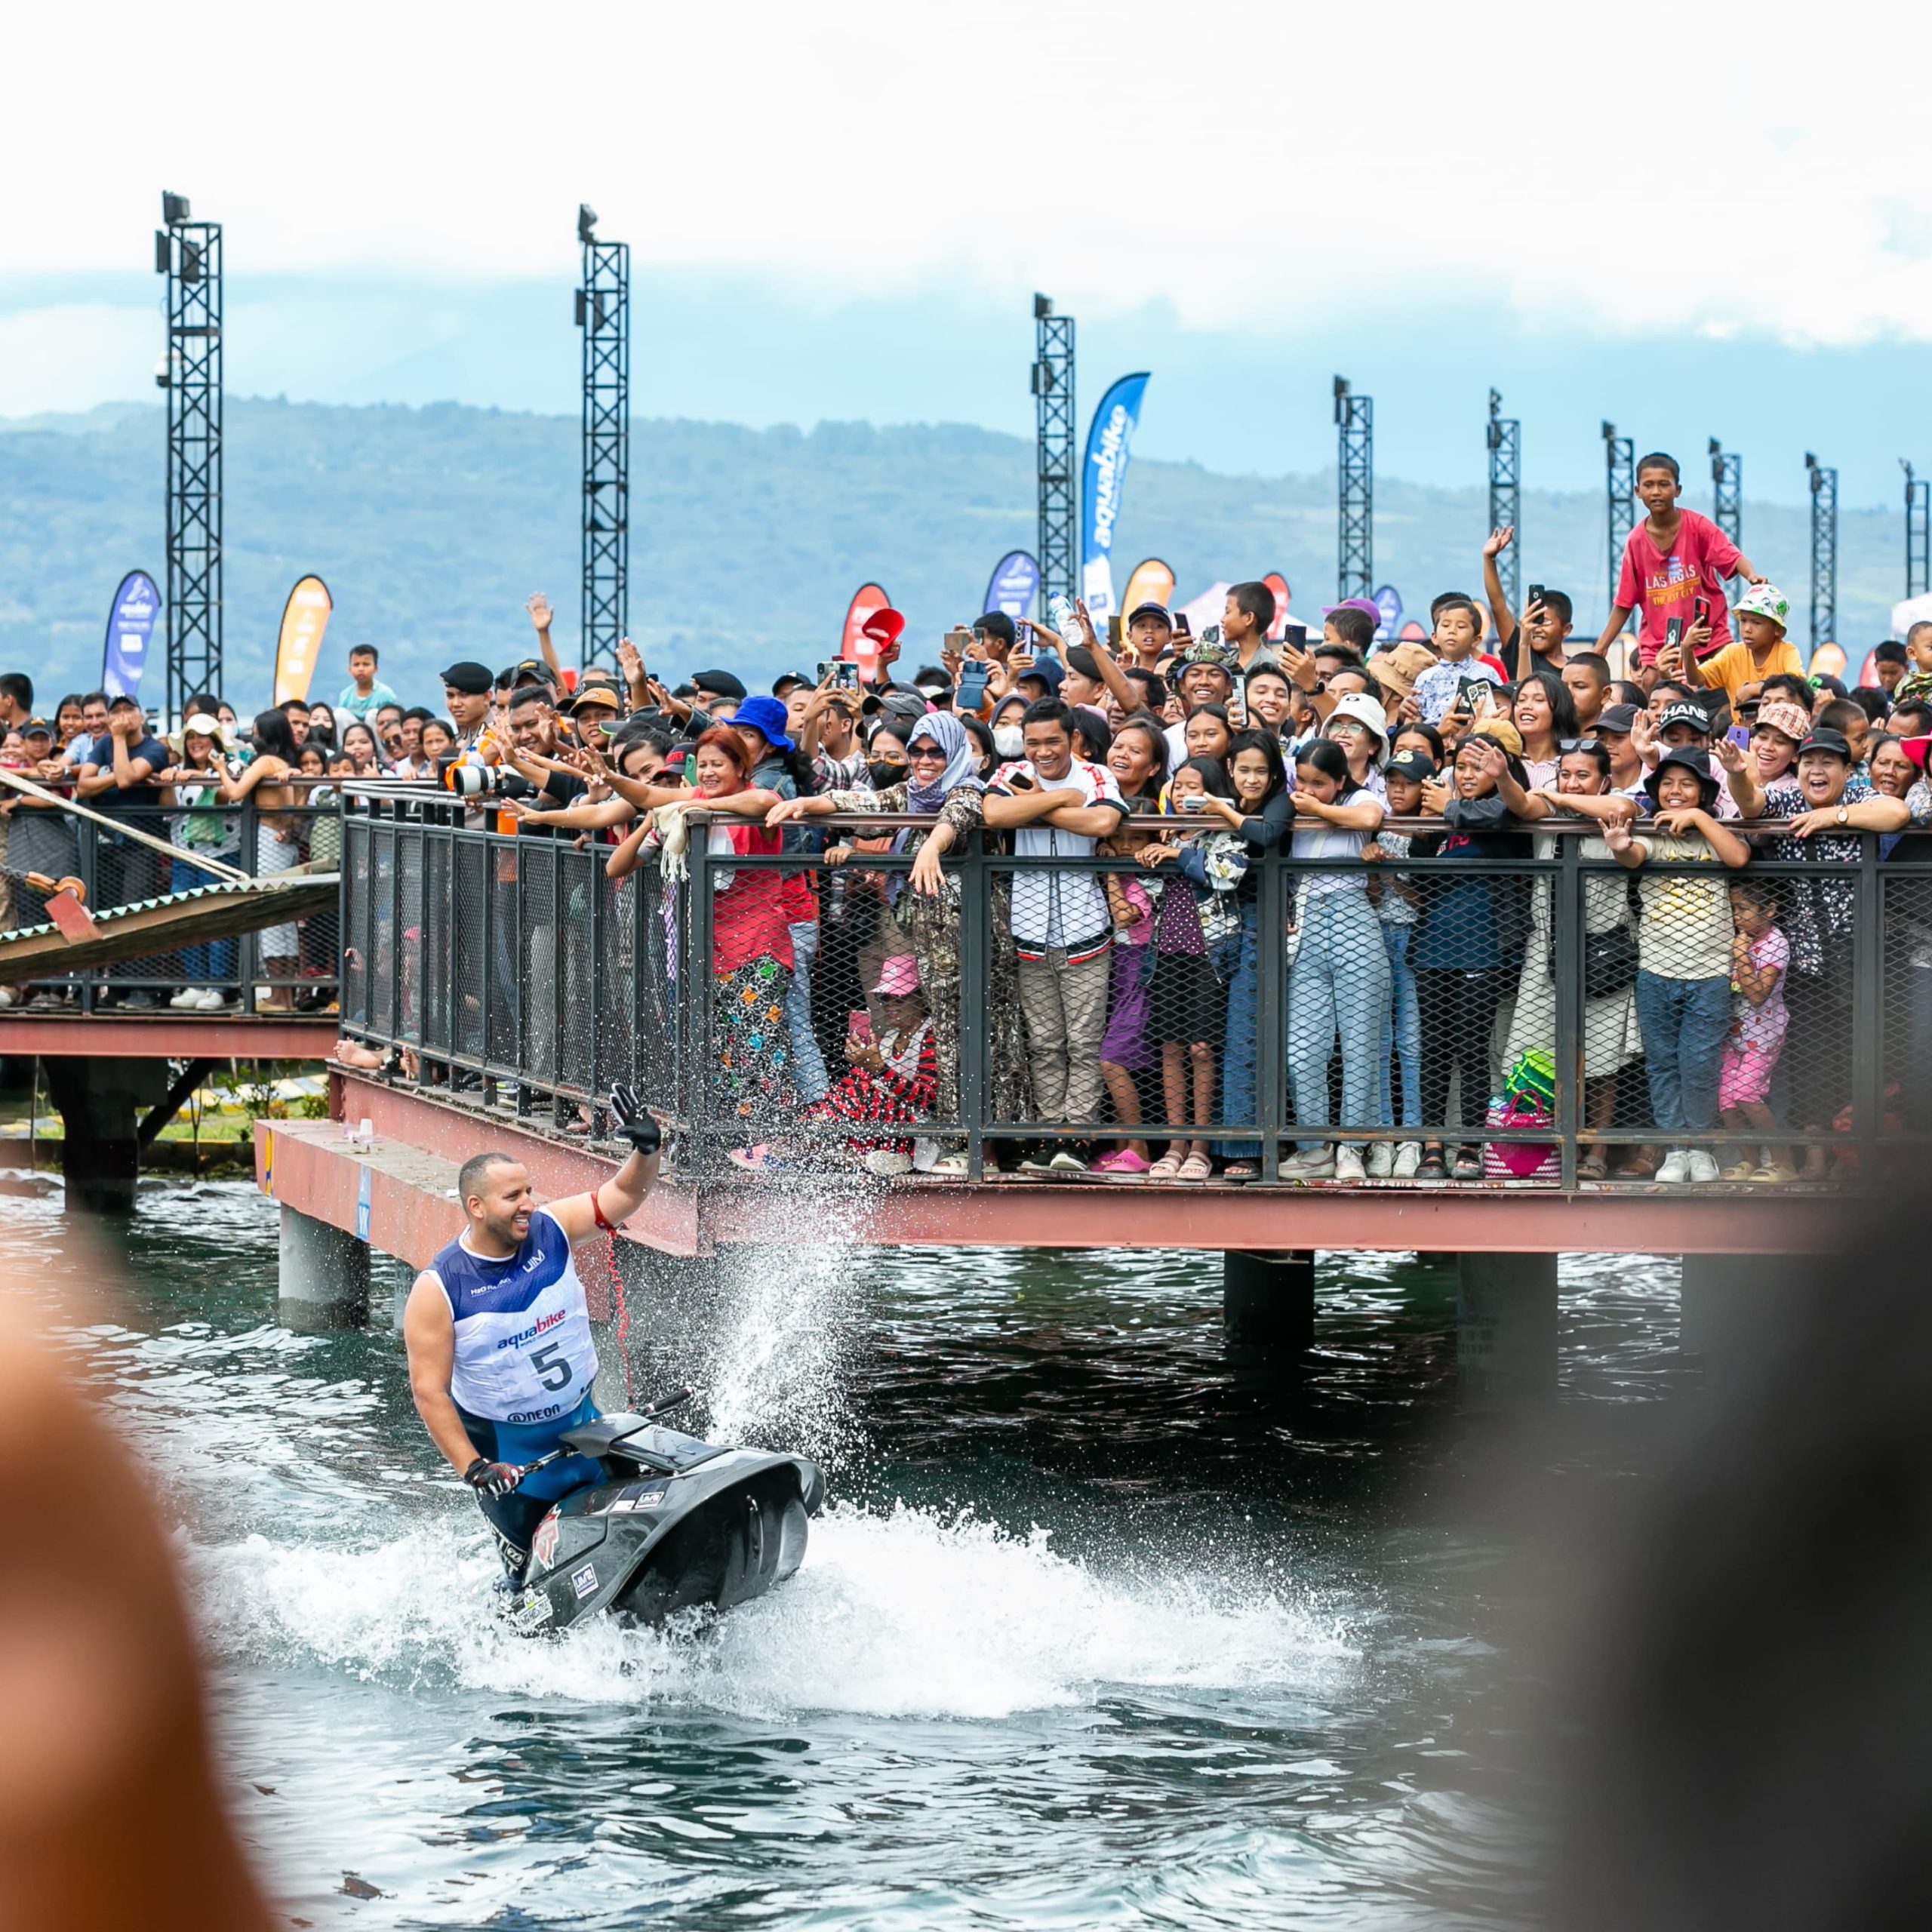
[[926, 755], [1568, 745]]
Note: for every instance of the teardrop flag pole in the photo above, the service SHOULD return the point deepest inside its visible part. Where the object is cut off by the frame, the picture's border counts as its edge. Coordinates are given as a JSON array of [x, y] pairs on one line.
[[304, 618]]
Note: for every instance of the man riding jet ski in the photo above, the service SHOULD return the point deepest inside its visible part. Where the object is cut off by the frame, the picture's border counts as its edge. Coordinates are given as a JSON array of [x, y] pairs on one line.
[[620, 1515]]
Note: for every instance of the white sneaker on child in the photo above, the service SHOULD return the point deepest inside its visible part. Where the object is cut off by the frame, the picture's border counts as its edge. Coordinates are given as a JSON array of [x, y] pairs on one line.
[[1408, 1158], [1703, 1167], [1381, 1160], [1675, 1170], [1348, 1162]]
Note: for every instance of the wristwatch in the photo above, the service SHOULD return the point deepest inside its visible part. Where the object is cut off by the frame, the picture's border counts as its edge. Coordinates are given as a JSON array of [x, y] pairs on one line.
[[1845, 812]]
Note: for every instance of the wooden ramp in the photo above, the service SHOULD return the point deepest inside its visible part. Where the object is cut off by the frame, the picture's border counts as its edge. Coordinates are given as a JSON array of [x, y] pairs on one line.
[[75, 939]]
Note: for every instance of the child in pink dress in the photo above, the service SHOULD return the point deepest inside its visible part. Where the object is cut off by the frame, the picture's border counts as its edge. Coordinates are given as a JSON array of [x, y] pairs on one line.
[[1759, 955]]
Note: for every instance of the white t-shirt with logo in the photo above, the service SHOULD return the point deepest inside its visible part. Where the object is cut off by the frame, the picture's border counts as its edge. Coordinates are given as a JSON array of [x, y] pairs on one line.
[[1057, 907]]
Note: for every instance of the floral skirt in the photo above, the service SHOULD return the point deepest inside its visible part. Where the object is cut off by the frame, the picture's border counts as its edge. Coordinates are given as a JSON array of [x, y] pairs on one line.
[[752, 1075]]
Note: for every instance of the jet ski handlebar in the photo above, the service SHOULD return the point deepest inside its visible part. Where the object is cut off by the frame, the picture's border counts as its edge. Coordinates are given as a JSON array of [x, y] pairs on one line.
[[663, 1406]]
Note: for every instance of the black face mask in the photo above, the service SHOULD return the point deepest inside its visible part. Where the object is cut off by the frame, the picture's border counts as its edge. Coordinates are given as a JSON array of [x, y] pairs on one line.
[[885, 774]]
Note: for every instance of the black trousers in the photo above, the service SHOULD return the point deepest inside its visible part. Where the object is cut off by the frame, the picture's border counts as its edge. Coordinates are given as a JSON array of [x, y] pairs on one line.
[[1458, 1009]]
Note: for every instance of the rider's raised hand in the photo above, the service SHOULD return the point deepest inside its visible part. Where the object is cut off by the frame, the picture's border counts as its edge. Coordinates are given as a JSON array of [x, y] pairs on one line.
[[630, 1122]]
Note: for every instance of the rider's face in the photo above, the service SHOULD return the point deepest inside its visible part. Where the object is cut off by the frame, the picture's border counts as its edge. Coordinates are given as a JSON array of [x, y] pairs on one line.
[[503, 1206]]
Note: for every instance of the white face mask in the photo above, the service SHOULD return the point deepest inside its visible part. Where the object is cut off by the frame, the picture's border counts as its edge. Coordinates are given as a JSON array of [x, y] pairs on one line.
[[1010, 741]]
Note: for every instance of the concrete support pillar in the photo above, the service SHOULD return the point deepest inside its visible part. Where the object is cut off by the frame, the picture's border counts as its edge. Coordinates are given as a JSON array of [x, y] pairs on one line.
[[1505, 1325], [324, 1277], [99, 1102], [1268, 1300]]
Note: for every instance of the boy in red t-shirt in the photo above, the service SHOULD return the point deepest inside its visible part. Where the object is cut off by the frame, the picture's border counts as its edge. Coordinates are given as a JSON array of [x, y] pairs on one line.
[[1672, 559]]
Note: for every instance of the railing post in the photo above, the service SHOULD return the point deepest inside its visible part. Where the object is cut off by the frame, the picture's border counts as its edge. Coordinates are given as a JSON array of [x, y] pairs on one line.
[[248, 947], [1868, 1076], [1270, 993], [975, 973], [1566, 924]]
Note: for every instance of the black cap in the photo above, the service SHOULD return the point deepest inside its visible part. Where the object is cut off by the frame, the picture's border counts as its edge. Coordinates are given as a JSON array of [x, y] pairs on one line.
[[36, 727], [1410, 764], [721, 683], [787, 681], [1694, 760], [1824, 738], [1621, 718], [531, 671], [471, 679], [1685, 711]]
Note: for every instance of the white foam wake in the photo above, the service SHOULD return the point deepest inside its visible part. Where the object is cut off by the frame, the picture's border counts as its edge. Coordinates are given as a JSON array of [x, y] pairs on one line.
[[903, 1614]]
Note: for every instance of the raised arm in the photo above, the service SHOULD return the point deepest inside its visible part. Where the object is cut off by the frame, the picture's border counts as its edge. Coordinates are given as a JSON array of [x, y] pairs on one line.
[[539, 607], [581, 1215]]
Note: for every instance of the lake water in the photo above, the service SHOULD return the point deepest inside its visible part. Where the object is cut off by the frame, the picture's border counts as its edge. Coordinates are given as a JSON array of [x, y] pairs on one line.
[[1100, 1631]]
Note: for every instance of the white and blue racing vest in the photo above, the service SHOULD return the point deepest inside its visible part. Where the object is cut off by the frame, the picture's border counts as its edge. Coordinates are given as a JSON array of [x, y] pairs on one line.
[[524, 1352]]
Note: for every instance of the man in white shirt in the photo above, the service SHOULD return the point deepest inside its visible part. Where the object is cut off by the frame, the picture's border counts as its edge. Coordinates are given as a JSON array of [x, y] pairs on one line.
[[1062, 933]]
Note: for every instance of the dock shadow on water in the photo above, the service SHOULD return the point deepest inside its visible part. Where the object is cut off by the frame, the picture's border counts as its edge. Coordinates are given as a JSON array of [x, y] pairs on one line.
[[1098, 1628]]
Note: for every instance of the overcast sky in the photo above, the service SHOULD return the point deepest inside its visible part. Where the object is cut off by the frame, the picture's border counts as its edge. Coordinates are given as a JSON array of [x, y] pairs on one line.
[[843, 210]]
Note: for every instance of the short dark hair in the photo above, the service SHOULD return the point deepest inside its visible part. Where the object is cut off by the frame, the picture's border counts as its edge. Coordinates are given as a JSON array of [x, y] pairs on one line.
[[94, 697], [1597, 671], [1153, 686], [1455, 600], [368, 650], [1792, 686], [1657, 459], [1870, 700], [996, 623], [1558, 601], [469, 1175], [1912, 630], [1257, 601], [18, 686], [529, 695], [1443, 597], [1841, 713], [420, 712], [1891, 652], [1673, 684], [1918, 708], [1356, 629], [1048, 711]]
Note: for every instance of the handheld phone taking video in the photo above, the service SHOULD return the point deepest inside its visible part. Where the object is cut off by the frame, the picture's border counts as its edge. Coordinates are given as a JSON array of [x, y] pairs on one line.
[[1739, 735], [1182, 627], [1212, 634], [1297, 636], [970, 692], [844, 672], [1536, 594], [1116, 631], [1673, 631]]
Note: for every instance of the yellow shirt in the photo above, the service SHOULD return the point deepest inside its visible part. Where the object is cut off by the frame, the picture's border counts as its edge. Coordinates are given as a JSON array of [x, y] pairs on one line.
[[1733, 667]]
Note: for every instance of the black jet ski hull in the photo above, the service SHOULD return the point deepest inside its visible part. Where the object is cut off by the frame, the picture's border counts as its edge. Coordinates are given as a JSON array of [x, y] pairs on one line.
[[679, 1524]]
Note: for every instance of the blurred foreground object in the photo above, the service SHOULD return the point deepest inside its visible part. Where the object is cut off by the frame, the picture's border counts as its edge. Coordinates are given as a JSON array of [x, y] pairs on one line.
[[108, 1816]]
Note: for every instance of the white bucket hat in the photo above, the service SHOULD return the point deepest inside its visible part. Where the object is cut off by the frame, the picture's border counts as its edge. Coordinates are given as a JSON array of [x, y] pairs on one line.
[[1364, 710]]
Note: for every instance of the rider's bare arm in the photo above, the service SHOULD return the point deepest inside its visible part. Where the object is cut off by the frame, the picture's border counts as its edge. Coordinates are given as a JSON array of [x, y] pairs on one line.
[[430, 1336]]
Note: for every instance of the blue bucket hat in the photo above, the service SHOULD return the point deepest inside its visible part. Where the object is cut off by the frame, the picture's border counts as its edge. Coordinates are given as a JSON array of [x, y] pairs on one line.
[[766, 716]]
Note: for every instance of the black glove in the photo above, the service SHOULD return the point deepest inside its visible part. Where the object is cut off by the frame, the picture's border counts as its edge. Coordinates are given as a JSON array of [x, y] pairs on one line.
[[492, 1479], [630, 1122]]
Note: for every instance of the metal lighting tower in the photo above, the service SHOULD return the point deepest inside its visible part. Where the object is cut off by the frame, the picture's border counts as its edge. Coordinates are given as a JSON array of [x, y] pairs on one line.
[[604, 314], [189, 252], [1355, 479], [1728, 493], [1918, 532], [1824, 550], [1053, 461], [1505, 490], [1619, 457]]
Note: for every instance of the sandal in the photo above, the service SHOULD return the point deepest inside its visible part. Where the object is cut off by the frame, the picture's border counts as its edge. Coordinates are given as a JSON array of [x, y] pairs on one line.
[[1467, 1166], [1196, 1168], [1432, 1167], [1167, 1167], [1593, 1166], [1240, 1170]]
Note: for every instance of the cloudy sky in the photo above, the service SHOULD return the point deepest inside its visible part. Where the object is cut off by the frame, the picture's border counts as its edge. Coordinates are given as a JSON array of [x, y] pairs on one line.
[[1714, 224]]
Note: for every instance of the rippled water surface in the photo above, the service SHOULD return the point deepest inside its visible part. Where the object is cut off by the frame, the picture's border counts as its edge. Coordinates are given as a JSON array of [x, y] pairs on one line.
[[1100, 1630]]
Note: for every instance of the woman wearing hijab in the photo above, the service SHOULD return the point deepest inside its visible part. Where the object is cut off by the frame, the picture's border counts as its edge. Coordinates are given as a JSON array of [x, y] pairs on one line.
[[943, 765]]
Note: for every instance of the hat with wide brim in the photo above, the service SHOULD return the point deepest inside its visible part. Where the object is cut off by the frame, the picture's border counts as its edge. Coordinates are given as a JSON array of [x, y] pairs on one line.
[[1396, 669], [766, 716], [1693, 761], [1361, 709]]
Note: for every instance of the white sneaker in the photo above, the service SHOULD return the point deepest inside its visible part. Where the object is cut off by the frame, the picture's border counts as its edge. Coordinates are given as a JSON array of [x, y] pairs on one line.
[[187, 1000], [1408, 1158], [1675, 1170], [886, 1162], [1703, 1167], [951, 1165], [1381, 1160], [1349, 1163], [1309, 1164], [212, 999]]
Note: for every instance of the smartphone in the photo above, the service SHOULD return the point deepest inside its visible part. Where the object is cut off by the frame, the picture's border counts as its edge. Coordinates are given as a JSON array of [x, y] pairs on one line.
[[970, 692], [859, 1024], [1297, 636], [1469, 689], [1702, 608], [1739, 735], [1536, 594], [1191, 802], [1212, 634], [1673, 631], [1115, 630], [1182, 627], [1019, 781], [844, 672]]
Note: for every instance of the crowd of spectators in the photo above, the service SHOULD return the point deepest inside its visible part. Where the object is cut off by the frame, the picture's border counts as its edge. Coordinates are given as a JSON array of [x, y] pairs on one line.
[[1131, 782]]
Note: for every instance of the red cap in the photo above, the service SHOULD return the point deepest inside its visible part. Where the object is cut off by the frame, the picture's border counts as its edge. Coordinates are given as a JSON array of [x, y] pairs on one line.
[[884, 626]]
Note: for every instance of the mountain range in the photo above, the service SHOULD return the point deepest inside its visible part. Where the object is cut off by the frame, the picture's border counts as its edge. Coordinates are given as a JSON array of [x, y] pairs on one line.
[[431, 525]]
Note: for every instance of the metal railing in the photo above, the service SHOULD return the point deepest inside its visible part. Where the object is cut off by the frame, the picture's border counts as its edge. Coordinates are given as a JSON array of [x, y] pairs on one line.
[[293, 965], [1513, 1022]]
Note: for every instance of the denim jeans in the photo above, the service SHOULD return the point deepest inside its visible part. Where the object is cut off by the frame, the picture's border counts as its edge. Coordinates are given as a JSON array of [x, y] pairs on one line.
[[1401, 1030], [808, 1072], [1338, 987], [215, 960], [1684, 1023], [1238, 1048]]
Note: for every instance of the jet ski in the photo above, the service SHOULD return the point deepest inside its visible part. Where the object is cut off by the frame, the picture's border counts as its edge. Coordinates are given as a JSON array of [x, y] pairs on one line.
[[674, 1523]]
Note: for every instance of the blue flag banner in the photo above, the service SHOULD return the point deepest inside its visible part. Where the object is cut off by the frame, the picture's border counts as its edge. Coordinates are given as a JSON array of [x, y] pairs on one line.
[[129, 625], [1015, 583], [1388, 601], [1108, 443]]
